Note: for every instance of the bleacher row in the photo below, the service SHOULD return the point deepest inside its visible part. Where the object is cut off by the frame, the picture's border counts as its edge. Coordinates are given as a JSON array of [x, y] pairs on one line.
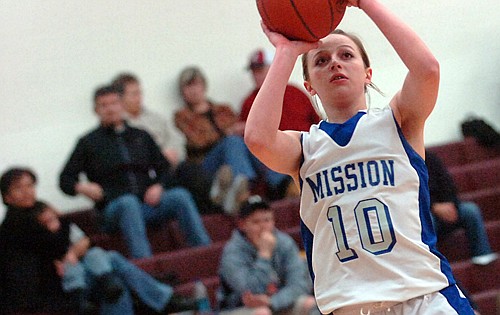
[[475, 169]]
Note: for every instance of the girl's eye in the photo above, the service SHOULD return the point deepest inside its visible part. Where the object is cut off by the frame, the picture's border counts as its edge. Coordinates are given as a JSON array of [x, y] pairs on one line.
[[320, 61], [347, 55]]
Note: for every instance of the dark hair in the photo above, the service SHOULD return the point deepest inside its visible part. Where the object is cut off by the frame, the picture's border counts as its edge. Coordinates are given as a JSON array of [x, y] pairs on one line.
[[121, 81], [11, 176], [359, 44], [104, 90], [253, 204]]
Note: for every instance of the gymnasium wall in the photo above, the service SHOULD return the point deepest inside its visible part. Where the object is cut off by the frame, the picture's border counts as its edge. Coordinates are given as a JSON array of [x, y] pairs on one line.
[[54, 53]]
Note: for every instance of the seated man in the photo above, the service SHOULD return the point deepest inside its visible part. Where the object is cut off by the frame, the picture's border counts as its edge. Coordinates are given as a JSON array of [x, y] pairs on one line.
[[139, 116], [129, 179], [450, 213], [261, 271]]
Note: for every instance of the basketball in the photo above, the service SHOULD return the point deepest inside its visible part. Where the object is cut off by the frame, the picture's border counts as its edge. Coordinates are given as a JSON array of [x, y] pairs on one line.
[[306, 20]]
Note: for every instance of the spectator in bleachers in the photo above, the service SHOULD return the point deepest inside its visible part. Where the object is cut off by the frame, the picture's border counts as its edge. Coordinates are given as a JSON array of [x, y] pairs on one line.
[[104, 280], [27, 282], [298, 111], [67, 263], [261, 271], [129, 88], [212, 143], [211, 147], [129, 179], [450, 213]]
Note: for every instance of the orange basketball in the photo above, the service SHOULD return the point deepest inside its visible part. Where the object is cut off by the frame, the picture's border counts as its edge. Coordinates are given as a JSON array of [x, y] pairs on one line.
[[307, 20]]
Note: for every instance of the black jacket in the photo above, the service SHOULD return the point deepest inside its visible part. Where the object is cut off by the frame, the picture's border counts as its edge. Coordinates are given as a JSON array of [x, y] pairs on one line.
[[441, 185], [98, 156], [28, 279]]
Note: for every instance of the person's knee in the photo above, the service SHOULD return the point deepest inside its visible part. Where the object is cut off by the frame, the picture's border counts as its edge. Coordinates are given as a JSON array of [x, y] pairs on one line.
[[469, 211], [95, 252], [127, 201], [114, 255], [234, 142], [177, 195]]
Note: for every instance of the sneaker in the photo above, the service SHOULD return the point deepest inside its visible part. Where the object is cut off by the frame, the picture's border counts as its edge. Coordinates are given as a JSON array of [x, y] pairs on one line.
[[236, 195], [179, 304], [484, 260], [221, 184], [109, 288]]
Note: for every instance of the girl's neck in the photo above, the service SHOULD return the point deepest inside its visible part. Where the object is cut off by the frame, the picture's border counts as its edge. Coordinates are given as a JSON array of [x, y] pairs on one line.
[[341, 115]]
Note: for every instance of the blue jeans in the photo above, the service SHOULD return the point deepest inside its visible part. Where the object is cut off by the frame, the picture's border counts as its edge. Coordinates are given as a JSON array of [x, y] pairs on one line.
[[232, 150], [131, 216], [133, 279], [94, 263], [469, 218]]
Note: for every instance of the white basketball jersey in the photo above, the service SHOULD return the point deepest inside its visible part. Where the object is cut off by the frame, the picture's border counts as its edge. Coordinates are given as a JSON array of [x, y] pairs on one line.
[[365, 214]]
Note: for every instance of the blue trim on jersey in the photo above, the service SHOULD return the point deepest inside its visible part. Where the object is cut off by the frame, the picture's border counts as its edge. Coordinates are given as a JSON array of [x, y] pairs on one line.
[[301, 181], [460, 304], [307, 240], [428, 234], [306, 234], [341, 133]]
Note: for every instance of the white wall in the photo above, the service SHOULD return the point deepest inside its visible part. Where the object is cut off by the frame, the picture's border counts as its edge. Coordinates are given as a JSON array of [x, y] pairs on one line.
[[53, 54]]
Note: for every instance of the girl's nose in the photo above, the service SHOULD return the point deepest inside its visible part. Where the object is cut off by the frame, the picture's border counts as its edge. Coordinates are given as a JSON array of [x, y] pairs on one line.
[[334, 64]]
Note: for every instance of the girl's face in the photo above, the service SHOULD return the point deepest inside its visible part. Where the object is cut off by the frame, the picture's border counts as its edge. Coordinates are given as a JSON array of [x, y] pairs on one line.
[[336, 70]]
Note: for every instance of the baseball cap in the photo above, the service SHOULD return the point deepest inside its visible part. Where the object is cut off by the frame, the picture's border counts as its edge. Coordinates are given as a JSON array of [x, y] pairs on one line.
[[253, 204], [260, 58]]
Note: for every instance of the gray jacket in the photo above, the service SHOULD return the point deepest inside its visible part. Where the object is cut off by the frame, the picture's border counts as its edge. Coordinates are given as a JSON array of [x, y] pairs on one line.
[[241, 269]]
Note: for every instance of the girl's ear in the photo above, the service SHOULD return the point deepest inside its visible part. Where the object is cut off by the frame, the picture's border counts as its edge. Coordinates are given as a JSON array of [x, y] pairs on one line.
[[369, 73], [309, 88]]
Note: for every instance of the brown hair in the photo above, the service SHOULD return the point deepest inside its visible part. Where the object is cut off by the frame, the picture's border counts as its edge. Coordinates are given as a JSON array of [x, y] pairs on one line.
[[121, 81]]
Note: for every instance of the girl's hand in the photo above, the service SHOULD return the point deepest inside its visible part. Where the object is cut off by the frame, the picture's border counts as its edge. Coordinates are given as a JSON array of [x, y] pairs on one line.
[[278, 40]]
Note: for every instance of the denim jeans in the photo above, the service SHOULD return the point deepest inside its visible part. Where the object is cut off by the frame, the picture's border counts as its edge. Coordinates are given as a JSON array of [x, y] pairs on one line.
[[94, 263], [97, 262], [131, 216], [469, 218], [232, 150]]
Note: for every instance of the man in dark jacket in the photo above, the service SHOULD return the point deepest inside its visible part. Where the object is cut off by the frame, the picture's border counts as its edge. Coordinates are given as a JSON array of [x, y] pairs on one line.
[[450, 213], [129, 179], [28, 281]]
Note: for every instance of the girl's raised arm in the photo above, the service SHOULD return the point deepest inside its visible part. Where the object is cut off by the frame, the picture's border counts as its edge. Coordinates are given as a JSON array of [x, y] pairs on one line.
[[279, 150]]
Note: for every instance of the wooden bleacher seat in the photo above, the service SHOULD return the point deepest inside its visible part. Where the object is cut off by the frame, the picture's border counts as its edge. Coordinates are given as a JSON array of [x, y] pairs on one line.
[[476, 175]]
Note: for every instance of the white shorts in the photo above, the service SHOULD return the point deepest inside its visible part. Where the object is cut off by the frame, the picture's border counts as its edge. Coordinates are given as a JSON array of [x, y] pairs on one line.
[[449, 301]]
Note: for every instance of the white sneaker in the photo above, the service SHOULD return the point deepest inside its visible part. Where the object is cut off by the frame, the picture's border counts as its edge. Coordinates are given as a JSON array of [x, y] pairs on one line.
[[484, 260], [237, 193], [221, 184]]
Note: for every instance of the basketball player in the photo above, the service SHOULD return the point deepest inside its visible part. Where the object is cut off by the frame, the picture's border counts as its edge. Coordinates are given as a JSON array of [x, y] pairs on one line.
[[364, 211]]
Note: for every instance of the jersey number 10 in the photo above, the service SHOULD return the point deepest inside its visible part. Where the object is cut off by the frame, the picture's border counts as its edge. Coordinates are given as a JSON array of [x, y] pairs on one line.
[[374, 227]]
